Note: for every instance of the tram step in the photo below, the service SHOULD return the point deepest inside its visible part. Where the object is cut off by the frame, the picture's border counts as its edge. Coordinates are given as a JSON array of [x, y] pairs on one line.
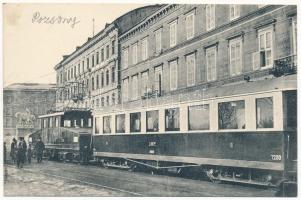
[[117, 166]]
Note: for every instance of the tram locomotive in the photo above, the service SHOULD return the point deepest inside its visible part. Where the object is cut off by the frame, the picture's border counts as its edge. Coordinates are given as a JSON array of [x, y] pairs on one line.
[[67, 135], [245, 132]]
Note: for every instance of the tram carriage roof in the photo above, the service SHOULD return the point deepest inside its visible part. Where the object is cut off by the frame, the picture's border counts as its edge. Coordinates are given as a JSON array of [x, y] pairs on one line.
[[288, 82], [62, 113]]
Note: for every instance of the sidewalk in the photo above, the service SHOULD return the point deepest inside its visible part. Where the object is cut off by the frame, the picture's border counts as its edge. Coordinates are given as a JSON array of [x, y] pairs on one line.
[[22, 182]]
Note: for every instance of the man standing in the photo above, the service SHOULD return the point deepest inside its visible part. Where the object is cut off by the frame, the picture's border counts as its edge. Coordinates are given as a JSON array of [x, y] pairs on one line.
[[39, 148], [29, 154], [21, 153], [13, 150]]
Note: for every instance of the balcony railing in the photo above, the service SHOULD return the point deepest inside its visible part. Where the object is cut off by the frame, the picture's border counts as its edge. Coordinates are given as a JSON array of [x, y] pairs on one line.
[[285, 66]]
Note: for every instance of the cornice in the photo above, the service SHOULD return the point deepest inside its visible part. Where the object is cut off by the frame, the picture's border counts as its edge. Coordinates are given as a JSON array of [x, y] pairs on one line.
[[149, 21]]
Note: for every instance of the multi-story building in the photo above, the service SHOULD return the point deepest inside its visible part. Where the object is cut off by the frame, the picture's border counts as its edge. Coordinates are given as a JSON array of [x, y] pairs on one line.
[[88, 77], [184, 48], [23, 103]]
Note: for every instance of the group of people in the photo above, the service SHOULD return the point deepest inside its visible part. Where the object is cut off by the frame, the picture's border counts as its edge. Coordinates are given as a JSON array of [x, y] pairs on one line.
[[19, 151]]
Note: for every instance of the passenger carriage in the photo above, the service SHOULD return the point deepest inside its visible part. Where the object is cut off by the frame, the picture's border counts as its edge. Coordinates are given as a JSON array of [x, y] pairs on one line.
[[240, 132]]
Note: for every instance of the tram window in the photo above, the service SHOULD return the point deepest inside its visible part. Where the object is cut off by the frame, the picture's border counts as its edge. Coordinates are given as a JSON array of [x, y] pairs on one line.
[[89, 122], [50, 122], [96, 124], [56, 122], [291, 109], [135, 122], [172, 117], [198, 117], [231, 115], [120, 123], [264, 112], [107, 124], [81, 122], [67, 123], [152, 121], [45, 123]]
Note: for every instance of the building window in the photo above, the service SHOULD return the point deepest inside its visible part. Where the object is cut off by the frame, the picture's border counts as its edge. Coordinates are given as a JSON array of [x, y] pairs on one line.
[[265, 47], [107, 124], [144, 49], [210, 17], [97, 81], [92, 83], [125, 90], [102, 55], [102, 101], [135, 122], [211, 63], [97, 58], [198, 117], [71, 72], [113, 75], [134, 53], [78, 68], [97, 128], [172, 117], [125, 58], [134, 87], [173, 33], [113, 99], [113, 47], [158, 79], [107, 51], [74, 71], [231, 115], [61, 78], [108, 100], [88, 64], [107, 77], [158, 40], [173, 74], [102, 79], [190, 64], [152, 121], [234, 11], [189, 26], [144, 77], [294, 37], [83, 66], [68, 75], [264, 112], [120, 123], [235, 57], [97, 103], [92, 60]]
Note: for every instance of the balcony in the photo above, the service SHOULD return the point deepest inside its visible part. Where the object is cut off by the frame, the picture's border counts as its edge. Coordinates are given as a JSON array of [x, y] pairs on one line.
[[284, 66]]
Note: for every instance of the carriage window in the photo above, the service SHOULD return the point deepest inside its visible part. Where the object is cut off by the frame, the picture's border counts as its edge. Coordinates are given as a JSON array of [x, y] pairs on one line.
[[96, 125], [120, 123], [67, 123], [89, 122], [56, 122], [172, 116], [50, 122], [198, 117], [107, 124], [264, 113], [231, 115], [152, 121], [135, 122]]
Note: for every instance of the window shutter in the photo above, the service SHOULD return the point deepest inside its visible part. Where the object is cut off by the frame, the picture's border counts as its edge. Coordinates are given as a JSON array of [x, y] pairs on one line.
[[256, 61]]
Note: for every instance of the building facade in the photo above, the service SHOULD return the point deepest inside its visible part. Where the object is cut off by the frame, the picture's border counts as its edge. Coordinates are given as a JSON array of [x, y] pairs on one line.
[[89, 77], [187, 47], [23, 103]]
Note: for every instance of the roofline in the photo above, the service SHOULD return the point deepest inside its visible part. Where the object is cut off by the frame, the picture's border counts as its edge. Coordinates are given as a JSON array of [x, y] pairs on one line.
[[92, 40]]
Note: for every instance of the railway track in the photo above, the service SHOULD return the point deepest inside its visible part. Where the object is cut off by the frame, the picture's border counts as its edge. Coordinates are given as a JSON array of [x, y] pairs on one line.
[[141, 184]]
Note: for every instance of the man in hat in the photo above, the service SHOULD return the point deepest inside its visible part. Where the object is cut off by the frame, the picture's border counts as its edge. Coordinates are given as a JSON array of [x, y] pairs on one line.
[[39, 148], [13, 150]]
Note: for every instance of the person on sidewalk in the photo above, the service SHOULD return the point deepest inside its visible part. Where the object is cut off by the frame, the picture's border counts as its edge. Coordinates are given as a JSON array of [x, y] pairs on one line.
[[21, 153], [39, 148], [29, 154], [13, 150]]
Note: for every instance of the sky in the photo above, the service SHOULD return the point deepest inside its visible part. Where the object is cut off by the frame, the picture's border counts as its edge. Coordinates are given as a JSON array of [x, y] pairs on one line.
[[32, 49]]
